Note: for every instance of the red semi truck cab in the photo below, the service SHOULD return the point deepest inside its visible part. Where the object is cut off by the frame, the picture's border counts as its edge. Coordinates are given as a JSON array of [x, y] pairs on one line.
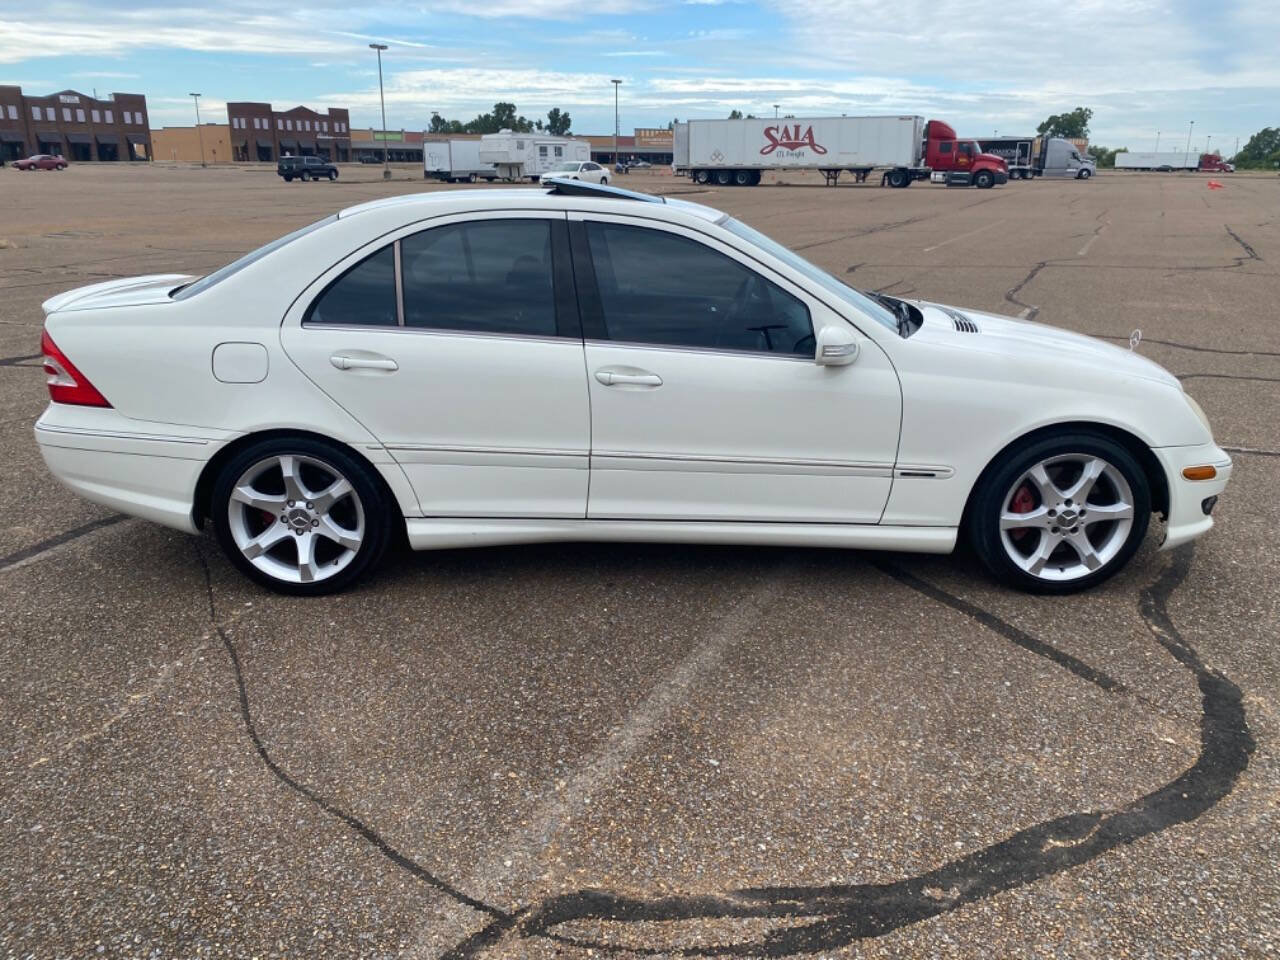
[[945, 153], [1212, 163]]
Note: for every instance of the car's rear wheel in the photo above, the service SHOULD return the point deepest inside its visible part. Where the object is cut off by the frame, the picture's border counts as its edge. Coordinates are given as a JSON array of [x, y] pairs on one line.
[[1060, 514], [333, 175], [305, 176], [300, 516], [288, 179]]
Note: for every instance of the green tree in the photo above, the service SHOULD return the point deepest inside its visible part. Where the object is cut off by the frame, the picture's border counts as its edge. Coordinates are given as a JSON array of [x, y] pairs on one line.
[[558, 122], [1261, 152], [1104, 157], [735, 114], [1070, 125]]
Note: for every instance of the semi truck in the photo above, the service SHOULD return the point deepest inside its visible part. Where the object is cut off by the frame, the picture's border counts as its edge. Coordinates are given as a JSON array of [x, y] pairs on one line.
[[526, 156], [1168, 160], [455, 161], [1037, 156], [905, 148]]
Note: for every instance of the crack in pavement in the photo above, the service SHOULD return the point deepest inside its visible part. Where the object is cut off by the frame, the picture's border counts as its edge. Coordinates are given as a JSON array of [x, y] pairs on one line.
[[1253, 451], [1028, 311], [27, 554], [1196, 348], [885, 227], [1225, 376], [840, 914], [17, 361]]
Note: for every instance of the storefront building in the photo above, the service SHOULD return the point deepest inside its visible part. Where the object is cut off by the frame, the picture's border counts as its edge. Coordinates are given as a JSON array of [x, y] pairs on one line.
[[73, 125], [260, 133]]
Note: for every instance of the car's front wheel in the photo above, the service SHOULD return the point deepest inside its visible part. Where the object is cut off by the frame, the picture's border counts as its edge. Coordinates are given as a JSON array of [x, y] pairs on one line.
[[300, 516], [1060, 514]]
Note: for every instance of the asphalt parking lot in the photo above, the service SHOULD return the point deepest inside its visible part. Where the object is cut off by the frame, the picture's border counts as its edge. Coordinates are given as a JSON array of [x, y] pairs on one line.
[[573, 751]]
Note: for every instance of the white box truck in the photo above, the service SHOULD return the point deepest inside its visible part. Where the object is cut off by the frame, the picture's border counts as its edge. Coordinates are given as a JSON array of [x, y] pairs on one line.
[[455, 161], [906, 148], [526, 156]]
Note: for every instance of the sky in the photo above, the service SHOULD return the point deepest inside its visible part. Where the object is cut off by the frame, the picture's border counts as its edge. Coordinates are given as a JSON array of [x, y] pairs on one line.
[[1147, 68]]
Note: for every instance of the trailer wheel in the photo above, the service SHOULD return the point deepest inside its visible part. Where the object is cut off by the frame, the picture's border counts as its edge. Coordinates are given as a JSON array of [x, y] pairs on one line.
[[724, 177], [755, 177], [702, 176], [471, 178], [984, 180], [742, 178], [899, 178]]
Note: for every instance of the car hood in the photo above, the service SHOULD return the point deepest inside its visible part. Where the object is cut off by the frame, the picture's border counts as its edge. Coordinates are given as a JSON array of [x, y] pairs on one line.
[[1020, 338], [128, 292]]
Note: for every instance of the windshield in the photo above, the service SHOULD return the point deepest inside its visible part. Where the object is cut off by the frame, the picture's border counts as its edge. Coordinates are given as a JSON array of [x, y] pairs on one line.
[[860, 301], [565, 166], [204, 283]]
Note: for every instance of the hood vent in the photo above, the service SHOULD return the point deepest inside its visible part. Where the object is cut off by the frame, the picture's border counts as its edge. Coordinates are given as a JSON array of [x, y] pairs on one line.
[[958, 320]]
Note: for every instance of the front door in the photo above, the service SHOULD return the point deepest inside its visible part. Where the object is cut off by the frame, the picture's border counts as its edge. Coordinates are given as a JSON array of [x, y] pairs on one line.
[[706, 402], [469, 370]]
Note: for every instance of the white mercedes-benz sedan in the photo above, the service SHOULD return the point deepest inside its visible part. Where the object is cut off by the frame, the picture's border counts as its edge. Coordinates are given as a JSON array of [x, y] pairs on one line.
[[466, 368]]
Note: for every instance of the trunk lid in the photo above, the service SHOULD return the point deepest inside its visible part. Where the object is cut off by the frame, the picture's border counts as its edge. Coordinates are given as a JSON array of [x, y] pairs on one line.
[[126, 292]]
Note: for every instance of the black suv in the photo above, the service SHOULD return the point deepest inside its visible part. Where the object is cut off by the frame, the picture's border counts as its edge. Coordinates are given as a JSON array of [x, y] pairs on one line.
[[306, 168]]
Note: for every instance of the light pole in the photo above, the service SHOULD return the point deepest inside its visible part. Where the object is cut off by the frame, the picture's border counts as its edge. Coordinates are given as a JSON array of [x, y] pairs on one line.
[[1157, 141], [1187, 154], [199, 132], [616, 85], [1208, 140], [775, 111], [386, 167]]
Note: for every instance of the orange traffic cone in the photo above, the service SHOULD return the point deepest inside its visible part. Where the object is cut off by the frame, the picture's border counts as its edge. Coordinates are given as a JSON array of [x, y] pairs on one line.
[[1214, 185]]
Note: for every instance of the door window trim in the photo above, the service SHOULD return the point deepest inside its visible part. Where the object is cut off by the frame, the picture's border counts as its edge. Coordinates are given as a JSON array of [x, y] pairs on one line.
[[591, 305]]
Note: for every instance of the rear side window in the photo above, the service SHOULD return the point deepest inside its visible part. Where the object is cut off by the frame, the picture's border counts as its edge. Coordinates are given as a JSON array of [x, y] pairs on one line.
[[363, 296], [487, 276], [663, 289]]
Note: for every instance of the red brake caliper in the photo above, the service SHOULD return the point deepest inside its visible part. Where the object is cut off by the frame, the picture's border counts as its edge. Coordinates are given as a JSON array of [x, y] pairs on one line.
[[1023, 501]]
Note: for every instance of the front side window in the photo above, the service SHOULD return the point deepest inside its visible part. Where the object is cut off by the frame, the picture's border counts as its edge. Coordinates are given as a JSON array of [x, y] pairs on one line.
[[663, 289], [486, 276], [363, 296]]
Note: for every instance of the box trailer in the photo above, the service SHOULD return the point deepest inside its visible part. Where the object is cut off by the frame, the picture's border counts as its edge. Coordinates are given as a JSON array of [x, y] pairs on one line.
[[906, 148], [1150, 160], [455, 161], [1018, 153], [526, 156]]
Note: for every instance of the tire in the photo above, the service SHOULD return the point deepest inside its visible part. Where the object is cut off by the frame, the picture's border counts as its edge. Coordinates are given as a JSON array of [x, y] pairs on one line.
[[471, 178], [724, 178], [1083, 175], [62, 166], [1017, 517], [755, 178], [288, 179], [984, 180], [702, 176], [899, 178], [333, 175], [358, 521], [305, 176], [742, 178]]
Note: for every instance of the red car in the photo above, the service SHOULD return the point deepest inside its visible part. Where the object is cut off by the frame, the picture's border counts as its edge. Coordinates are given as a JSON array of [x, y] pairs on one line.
[[41, 161]]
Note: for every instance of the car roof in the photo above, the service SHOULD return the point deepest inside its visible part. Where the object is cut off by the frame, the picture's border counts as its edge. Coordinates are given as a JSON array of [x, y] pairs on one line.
[[526, 198]]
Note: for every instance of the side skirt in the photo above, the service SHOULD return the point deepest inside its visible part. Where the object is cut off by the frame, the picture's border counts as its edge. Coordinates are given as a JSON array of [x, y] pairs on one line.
[[448, 533]]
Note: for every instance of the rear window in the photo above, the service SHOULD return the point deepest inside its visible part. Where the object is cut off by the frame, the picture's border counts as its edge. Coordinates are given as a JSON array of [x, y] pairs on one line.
[[204, 283]]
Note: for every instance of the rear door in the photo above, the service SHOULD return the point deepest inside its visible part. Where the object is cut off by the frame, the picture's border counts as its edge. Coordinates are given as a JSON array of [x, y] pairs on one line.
[[455, 347]]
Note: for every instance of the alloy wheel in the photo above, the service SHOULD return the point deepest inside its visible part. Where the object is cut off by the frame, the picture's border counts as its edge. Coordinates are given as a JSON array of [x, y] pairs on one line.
[[295, 518], [1066, 517]]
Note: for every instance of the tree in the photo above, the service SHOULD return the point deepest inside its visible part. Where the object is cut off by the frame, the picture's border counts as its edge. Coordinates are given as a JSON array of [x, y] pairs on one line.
[[558, 122], [1104, 157], [1262, 151], [735, 114], [1073, 125]]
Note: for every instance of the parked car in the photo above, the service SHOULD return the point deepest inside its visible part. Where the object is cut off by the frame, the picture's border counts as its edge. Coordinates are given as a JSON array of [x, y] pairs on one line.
[[306, 168], [369, 158], [41, 161], [476, 367], [586, 170]]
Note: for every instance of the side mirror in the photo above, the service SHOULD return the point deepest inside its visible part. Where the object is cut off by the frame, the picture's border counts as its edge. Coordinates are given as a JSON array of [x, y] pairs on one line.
[[836, 347]]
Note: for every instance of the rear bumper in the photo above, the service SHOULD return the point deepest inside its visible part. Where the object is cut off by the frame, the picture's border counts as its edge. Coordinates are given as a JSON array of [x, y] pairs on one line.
[[1188, 517], [125, 464]]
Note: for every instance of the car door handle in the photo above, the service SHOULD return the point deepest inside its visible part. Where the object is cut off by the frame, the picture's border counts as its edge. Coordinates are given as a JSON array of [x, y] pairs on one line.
[[345, 361], [627, 376]]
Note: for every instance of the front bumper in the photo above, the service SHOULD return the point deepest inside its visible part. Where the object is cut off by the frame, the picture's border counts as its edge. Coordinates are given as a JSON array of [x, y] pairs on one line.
[[1187, 517], [1002, 177]]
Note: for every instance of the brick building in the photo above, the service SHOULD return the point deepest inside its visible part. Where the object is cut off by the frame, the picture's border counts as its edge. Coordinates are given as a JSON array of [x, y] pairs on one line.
[[261, 133], [74, 125], [184, 144]]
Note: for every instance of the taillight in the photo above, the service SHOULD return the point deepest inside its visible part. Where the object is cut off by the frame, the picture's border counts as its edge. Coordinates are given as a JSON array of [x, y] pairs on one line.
[[66, 383]]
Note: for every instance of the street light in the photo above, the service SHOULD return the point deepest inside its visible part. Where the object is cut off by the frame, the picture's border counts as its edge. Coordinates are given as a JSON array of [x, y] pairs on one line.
[[1187, 155], [775, 111], [199, 132], [1157, 141], [1208, 140], [386, 167], [616, 85]]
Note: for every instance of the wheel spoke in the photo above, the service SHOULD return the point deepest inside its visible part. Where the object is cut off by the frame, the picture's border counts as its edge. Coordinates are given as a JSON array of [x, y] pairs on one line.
[[326, 498], [308, 568], [1111, 511], [293, 486], [350, 539], [1088, 555], [1036, 519], [264, 541], [246, 494], [1089, 474], [1035, 561], [1048, 491]]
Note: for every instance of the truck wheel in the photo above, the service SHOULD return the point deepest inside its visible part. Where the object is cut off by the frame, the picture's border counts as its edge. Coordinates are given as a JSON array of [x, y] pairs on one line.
[[742, 178], [702, 176], [899, 178], [755, 177], [1083, 175], [724, 177], [471, 178], [984, 180]]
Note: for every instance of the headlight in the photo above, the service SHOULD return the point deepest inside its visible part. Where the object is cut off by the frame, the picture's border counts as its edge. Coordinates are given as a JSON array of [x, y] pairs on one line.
[[1195, 408]]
